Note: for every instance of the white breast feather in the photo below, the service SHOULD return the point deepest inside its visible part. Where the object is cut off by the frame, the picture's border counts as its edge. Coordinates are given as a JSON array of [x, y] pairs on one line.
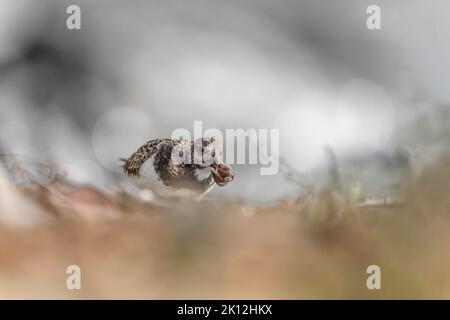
[[202, 174], [148, 178]]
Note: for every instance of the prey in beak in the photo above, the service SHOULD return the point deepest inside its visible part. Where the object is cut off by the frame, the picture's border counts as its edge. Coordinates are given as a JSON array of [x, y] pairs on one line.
[[222, 173]]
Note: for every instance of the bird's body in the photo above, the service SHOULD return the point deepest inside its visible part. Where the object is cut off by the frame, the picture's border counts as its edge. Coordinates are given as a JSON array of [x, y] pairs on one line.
[[172, 167]]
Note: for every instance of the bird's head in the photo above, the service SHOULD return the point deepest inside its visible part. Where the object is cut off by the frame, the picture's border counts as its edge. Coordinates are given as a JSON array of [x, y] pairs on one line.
[[206, 157], [208, 154]]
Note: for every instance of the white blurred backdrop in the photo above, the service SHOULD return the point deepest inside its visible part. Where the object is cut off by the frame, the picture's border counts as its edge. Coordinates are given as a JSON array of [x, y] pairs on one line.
[[141, 69]]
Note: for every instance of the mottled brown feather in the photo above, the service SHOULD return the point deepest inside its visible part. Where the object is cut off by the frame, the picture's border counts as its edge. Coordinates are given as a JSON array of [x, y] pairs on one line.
[[133, 164]]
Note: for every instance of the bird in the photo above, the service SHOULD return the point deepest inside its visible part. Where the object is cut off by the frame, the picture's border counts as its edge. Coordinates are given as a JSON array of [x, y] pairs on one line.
[[174, 167]]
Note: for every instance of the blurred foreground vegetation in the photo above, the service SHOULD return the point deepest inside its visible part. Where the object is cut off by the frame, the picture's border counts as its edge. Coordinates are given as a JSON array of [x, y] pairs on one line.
[[313, 247]]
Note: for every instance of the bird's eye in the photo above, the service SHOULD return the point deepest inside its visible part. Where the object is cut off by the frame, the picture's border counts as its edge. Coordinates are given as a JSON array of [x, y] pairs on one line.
[[213, 154], [180, 154]]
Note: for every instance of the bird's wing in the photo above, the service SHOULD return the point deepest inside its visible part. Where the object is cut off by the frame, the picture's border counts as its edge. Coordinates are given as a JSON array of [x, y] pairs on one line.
[[136, 160]]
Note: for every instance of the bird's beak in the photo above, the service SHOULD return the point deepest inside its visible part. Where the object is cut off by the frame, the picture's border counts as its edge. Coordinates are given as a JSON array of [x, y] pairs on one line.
[[222, 173]]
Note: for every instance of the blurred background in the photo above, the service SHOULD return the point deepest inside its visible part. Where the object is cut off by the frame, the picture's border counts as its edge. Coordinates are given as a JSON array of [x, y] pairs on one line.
[[362, 115], [80, 99]]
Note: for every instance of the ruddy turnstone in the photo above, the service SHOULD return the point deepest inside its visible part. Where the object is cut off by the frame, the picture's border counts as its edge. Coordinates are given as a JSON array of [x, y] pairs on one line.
[[179, 166]]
